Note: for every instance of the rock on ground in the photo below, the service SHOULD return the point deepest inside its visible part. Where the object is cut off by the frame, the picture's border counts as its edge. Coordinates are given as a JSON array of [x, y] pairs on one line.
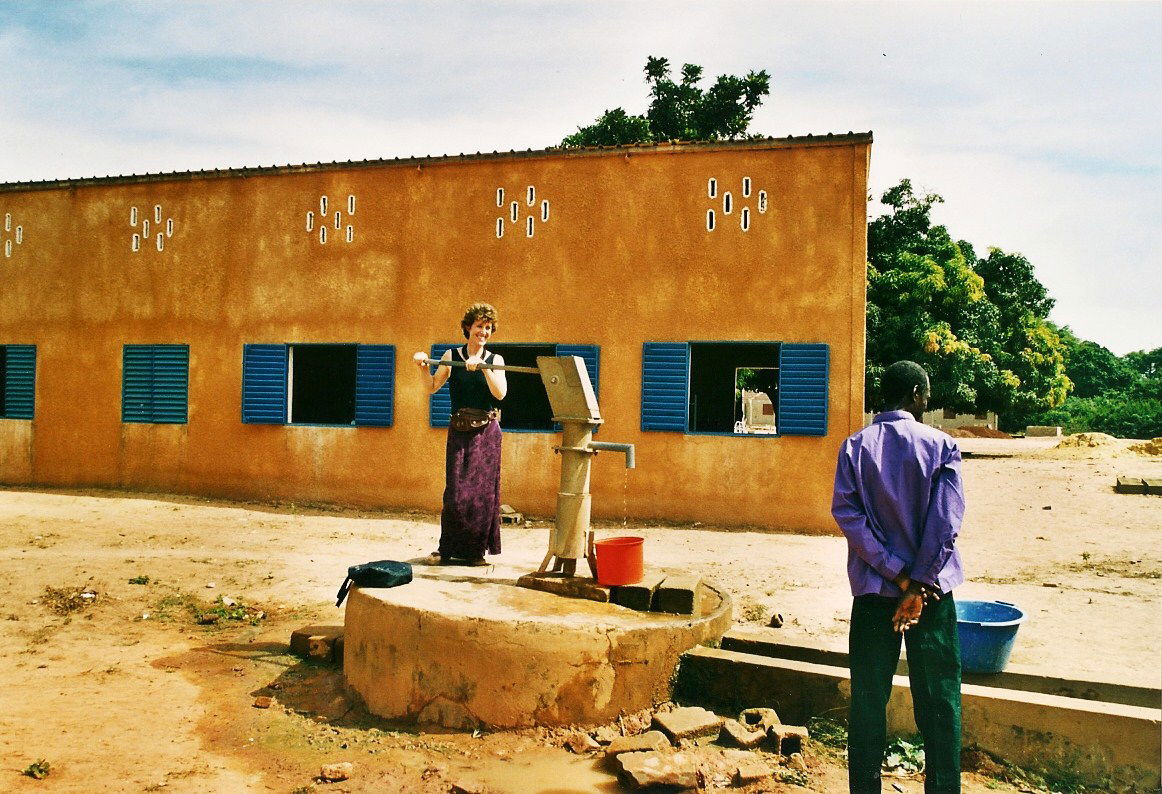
[[582, 743], [336, 772], [734, 733], [660, 769], [759, 719], [650, 740], [688, 722], [751, 771], [467, 787], [788, 738], [606, 734]]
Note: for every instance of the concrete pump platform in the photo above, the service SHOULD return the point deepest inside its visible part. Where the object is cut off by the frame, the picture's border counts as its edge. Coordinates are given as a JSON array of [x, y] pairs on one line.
[[472, 653]]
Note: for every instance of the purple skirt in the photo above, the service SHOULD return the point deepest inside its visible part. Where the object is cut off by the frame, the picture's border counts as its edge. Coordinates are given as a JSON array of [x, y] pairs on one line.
[[470, 520]]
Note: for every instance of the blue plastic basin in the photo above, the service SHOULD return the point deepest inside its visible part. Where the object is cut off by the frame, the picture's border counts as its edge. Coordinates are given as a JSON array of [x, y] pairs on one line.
[[987, 630]]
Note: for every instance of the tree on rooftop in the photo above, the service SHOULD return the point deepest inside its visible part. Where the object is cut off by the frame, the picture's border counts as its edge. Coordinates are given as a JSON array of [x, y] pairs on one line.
[[681, 110]]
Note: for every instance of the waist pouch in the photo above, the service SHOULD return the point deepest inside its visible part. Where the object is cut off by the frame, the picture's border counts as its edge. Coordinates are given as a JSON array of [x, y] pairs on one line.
[[381, 573], [469, 420]]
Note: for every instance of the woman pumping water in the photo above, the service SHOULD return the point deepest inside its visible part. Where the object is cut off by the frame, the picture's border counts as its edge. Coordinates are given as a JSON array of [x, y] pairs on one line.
[[470, 519]]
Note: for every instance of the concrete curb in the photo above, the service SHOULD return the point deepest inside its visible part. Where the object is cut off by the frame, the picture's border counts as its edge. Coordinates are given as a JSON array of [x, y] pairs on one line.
[[1013, 677], [1105, 743]]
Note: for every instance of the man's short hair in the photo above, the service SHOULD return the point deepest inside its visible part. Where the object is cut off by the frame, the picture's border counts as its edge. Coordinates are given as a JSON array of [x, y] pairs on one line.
[[900, 379]]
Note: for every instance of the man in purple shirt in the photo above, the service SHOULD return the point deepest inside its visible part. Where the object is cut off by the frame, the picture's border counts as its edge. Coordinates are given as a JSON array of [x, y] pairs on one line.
[[898, 499]]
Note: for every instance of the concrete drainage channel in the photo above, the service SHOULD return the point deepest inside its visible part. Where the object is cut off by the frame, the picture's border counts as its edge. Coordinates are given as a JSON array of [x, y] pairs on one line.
[[1105, 732]]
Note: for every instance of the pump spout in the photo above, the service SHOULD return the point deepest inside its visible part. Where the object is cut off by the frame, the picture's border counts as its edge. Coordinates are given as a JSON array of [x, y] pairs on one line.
[[614, 447]]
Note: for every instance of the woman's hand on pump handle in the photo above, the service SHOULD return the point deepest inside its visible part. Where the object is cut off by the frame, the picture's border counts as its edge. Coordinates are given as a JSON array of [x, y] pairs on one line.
[[471, 363]]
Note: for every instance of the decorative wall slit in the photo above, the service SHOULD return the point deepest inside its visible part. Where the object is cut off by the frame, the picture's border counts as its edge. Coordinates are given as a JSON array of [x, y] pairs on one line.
[[155, 224], [332, 218], [746, 189], [12, 236], [536, 214]]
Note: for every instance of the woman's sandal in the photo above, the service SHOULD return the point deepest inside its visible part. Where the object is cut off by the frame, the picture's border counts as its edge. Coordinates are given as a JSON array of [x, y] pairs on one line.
[[479, 562]]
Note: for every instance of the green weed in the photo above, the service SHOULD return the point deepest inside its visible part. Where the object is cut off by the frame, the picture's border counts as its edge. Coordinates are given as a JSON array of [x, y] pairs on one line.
[[38, 769], [828, 732], [905, 756], [795, 777], [185, 606], [1059, 777]]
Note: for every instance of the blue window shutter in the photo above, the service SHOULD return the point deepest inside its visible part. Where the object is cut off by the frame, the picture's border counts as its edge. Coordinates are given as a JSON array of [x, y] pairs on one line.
[[440, 403], [374, 381], [20, 383], [590, 354], [137, 383], [170, 383], [803, 372], [264, 384], [665, 371]]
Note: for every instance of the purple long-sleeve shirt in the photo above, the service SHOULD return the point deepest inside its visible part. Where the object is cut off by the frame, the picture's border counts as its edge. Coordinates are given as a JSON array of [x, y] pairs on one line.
[[899, 501]]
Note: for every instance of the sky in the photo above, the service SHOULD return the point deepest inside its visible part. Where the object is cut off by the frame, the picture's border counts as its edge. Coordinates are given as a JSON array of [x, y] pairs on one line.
[[1037, 122]]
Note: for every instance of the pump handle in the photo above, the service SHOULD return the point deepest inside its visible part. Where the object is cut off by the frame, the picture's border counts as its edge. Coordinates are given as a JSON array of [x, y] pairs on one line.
[[434, 362]]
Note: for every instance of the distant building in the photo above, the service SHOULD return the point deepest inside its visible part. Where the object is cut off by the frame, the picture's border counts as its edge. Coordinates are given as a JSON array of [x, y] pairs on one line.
[[247, 333], [948, 418], [758, 413]]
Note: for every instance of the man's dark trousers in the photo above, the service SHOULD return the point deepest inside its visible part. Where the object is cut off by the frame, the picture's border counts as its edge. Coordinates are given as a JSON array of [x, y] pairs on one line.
[[934, 671]]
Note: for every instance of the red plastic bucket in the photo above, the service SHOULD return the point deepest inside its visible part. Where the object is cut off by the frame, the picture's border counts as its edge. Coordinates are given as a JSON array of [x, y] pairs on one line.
[[619, 560]]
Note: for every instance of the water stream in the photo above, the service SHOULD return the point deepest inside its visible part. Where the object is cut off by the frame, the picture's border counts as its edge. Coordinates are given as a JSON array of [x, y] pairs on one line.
[[625, 497]]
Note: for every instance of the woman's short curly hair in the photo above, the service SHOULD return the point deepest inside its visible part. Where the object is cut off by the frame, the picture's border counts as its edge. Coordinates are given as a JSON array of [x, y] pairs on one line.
[[478, 311]]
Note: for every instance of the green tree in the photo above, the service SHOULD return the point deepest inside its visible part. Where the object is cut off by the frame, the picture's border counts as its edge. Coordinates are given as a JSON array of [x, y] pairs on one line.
[[1119, 414], [987, 347], [1012, 286], [615, 127], [680, 110], [1094, 369], [1121, 396], [1147, 363]]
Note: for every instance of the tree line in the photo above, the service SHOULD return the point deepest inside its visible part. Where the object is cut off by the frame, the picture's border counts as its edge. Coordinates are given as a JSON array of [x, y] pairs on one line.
[[978, 324]]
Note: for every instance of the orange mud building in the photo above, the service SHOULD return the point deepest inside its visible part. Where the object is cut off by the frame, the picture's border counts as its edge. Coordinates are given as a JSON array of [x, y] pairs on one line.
[[248, 333]]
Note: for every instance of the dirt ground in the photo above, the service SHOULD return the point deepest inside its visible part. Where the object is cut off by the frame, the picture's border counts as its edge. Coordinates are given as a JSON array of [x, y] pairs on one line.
[[128, 692]]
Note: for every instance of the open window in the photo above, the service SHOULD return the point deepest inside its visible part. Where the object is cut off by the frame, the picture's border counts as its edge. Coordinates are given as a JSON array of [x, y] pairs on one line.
[[730, 383], [735, 388], [318, 384], [322, 384], [526, 406]]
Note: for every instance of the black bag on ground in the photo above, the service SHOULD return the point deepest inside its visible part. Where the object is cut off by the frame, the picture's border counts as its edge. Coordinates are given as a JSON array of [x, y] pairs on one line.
[[381, 573]]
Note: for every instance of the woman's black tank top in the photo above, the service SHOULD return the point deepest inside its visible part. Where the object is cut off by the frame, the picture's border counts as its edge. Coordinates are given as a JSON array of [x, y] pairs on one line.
[[469, 389]]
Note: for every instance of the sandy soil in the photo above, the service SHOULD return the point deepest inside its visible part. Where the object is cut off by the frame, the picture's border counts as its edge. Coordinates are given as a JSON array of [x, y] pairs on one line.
[[117, 701]]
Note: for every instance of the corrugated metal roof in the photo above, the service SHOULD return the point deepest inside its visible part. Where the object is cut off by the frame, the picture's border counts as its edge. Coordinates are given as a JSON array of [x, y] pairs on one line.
[[225, 173]]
